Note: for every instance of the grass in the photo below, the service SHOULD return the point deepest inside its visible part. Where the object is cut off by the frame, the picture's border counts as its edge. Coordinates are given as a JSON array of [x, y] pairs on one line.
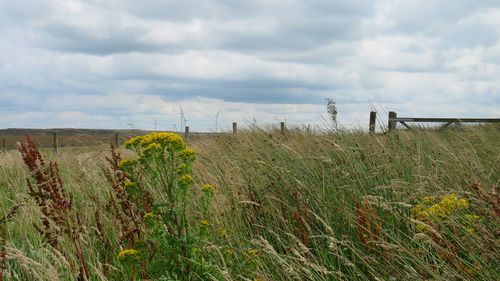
[[299, 206]]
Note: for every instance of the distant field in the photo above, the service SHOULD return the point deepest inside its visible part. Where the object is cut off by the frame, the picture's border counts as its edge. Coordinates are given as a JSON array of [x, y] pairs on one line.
[[408, 205], [72, 137], [67, 137]]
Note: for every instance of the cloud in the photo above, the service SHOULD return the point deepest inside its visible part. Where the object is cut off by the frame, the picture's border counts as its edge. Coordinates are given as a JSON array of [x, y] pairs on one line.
[[98, 63]]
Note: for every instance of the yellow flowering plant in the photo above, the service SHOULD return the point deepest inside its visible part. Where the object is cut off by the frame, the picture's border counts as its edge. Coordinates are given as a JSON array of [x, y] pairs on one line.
[[450, 223], [449, 210], [164, 167], [126, 254], [447, 206]]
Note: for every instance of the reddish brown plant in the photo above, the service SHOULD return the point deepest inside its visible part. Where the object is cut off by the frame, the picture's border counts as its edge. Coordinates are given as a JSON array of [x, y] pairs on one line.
[[46, 188], [302, 218], [367, 223], [125, 211]]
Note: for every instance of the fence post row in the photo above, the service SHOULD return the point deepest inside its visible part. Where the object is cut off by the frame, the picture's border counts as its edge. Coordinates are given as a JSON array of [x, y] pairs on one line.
[[186, 132], [55, 142], [282, 127], [235, 128], [373, 120], [117, 143]]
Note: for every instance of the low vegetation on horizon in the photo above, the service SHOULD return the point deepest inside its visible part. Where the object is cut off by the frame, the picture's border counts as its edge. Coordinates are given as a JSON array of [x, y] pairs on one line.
[[415, 204]]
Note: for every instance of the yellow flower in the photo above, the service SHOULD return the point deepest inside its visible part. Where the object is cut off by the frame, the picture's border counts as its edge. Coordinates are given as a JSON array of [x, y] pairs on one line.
[[252, 252], [133, 142], [164, 139], [228, 252], [148, 216], [452, 201], [427, 200], [222, 232], [130, 186], [185, 180], [470, 230], [204, 224], [439, 211], [153, 147], [126, 164], [420, 227], [448, 205], [462, 203], [470, 218], [421, 213], [208, 188], [187, 155], [127, 253]]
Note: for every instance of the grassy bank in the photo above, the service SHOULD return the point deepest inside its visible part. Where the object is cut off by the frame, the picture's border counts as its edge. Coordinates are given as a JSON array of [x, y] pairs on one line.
[[412, 205]]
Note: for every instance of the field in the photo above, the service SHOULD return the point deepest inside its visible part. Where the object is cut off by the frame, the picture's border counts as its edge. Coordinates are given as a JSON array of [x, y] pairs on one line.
[[66, 137], [408, 205]]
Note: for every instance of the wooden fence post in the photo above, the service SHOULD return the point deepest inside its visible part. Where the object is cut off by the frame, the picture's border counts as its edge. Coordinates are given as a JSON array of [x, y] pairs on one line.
[[282, 127], [235, 128], [186, 132], [4, 149], [55, 142], [373, 120], [117, 142], [392, 123]]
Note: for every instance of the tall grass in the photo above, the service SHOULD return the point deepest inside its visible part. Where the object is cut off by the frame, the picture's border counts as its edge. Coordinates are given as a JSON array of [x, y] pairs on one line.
[[300, 206]]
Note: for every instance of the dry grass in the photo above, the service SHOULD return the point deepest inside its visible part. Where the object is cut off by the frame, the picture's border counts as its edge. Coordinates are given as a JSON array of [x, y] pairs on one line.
[[314, 207]]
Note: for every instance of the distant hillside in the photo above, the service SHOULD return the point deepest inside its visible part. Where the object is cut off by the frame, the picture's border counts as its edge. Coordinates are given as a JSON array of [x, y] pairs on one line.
[[66, 136], [72, 137]]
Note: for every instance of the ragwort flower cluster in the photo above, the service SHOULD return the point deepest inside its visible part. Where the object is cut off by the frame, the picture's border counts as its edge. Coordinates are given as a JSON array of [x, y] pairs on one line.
[[450, 207], [164, 167]]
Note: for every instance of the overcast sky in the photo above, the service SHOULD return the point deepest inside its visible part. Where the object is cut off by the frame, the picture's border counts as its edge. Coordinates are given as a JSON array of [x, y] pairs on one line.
[[108, 63]]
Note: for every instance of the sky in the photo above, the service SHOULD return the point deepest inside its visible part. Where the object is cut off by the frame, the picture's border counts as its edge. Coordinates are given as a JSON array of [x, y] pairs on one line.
[[133, 64]]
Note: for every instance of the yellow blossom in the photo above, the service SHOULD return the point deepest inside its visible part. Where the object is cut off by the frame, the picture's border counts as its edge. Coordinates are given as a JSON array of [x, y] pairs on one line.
[[164, 139], [126, 164], [185, 180], [204, 224], [187, 155], [148, 216], [159, 139], [222, 232], [448, 205], [452, 201], [470, 230], [153, 147], [130, 186], [228, 252], [127, 253], [470, 218], [133, 142], [252, 252], [208, 188], [427, 200], [420, 227]]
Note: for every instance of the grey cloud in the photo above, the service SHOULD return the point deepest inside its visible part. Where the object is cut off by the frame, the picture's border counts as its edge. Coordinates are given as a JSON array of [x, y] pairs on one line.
[[429, 15], [252, 91], [72, 39], [299, 25], [235, 9]]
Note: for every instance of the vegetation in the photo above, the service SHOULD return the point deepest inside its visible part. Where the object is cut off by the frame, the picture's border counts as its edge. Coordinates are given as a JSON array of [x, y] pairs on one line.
[[409, 205]]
